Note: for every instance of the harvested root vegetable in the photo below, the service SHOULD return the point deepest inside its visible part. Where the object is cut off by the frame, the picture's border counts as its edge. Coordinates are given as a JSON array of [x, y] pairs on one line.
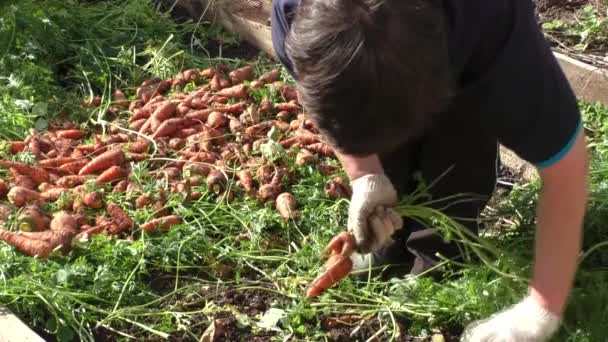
[[15, 147], [19, 196], [208, 73], [177, 144], [53, 194], [110, 175], [24, 181], [3, 188], [72, 134], [270, 191], [143, 201], [200, 115], [88, 231], [216, 120], [74, 167], [337, 188], [286, 205], [93, 200], [287, 107], [120, 217], [197, 169], [162, 223], [120, 186], [41, 244], [169, 127], [270, 77], [37, 174], [103, 162], [161, 114], [55, 162], [321, 148], [240, 75], [139, 146], [264, 174], [304, 157], [32, 219], [235, 92], [326, 169], [216, 181], [338, 265], [245, 181]]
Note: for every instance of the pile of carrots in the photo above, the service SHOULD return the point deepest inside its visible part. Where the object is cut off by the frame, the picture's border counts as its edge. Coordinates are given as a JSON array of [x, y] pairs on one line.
[[212, 135]]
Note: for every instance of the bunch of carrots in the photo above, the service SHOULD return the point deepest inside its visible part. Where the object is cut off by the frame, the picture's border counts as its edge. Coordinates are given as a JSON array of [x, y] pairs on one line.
[[211, 135]]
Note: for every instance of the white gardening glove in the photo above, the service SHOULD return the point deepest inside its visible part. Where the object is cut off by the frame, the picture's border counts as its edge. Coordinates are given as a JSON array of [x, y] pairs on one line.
[[526, 321], [370, 217]]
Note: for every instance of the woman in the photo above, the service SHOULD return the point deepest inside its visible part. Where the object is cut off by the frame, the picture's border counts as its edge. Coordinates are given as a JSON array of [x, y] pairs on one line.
[[429, 88]]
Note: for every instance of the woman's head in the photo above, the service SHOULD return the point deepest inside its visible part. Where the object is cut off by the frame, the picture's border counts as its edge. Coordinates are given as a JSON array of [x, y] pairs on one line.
[[369, 72]]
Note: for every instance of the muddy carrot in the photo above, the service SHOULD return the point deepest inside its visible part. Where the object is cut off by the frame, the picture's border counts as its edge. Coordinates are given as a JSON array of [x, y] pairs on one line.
[[15, 147], [271, 76], [240, 75], [73, 167], [286, 205], [235, 92], [19, 196], [55, 162], [103, 162], [161, 223], [37, 174], [53, 194], [110, 175], [72, 134]]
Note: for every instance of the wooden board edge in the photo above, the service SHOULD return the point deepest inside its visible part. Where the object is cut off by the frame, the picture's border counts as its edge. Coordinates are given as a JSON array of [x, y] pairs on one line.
[[12, 329]]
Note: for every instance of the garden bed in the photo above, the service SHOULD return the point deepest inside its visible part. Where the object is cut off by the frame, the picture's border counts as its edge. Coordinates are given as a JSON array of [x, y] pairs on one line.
[[234, 268]]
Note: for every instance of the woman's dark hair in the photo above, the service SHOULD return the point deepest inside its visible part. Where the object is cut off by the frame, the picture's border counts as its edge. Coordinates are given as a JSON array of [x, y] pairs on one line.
[[370, 73]]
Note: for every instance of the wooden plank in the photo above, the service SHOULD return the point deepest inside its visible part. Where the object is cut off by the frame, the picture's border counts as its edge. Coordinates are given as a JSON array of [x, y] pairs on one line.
[[12, 329], [589, 83], [254, 33]]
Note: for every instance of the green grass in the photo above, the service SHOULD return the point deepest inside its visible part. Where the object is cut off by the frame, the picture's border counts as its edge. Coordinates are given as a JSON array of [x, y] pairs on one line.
[[159, 285]]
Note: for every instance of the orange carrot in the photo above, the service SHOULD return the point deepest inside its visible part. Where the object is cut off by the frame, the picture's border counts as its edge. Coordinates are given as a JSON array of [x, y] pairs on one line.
[[55, 162], [161, 114], [90, 231], [103, 162], [53, 194], [41, 244], [137, 124], [321, 148], [208, 73], [177, 144], [288, 107], [120, 217], [3, 188], [242, 74], [200, 115], [216, 120], [16, 146], [139, 146], [71, 181], [304, 157], [73, 167], [93, 200], [161, 223], [23, 181], [19, 196], [198, 103], [245, 181], [168, 127], [337, 266], [37, 174], [235, 92], [271, 76], [235, 108], [112, 174], [120, 186], [72, 134], [286, 205], [32, 219], [142, 201]]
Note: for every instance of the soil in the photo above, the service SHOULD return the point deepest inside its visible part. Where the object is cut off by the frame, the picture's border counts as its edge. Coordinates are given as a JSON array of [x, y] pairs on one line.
[[567, 11], [355, 328]]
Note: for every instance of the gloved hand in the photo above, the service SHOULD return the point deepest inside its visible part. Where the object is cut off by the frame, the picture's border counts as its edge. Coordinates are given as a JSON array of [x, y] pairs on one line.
[[526, 321], [370, 217]]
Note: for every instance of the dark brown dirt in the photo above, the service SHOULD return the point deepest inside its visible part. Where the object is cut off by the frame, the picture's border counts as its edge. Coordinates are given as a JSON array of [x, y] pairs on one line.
[[355, 328]]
